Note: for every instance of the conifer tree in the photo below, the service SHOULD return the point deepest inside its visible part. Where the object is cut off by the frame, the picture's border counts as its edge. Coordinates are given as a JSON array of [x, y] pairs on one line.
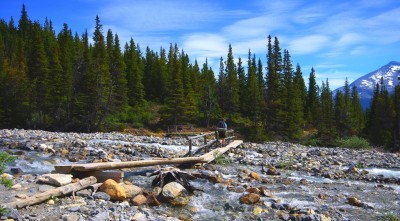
[[357, 114], [312, 103], [222, 86], [190, 108], [135, 88], [209, 100], [273, 96], [38, 76], [326, 129], [243, 96], [380, 120], [174, 111], [67, 59], [232, 90], [396, 135], [102, 79], [296, 100], [57, 100]]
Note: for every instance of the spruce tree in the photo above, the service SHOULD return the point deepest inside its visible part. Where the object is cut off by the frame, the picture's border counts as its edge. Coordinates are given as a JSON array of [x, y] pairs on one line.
[[326, 129], [232, 90], [312, 103], [209, 100]]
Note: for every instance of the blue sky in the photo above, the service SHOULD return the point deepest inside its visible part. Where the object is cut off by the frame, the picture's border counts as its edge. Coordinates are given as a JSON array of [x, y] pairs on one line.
[[339, 38]]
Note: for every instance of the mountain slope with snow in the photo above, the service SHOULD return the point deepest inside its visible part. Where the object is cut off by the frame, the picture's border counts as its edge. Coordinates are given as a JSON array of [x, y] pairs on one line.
[[366, 84]]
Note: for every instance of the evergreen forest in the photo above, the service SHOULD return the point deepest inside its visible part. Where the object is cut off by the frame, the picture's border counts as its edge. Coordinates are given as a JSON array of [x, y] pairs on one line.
[[64, 81]]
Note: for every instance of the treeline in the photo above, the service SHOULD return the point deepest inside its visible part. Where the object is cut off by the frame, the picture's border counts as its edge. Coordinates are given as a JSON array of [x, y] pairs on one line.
[[65, 82]]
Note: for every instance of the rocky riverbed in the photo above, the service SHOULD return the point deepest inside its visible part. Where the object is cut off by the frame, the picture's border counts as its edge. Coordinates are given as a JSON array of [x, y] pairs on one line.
[[269, 181]]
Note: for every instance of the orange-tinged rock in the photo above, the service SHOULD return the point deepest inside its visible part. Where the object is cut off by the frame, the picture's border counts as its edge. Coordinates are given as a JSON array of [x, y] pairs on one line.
[[250, 198], [112, 188], [255, 176], [139, 200]]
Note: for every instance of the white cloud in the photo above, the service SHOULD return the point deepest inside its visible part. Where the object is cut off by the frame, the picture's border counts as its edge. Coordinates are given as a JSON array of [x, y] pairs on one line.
[[308, 44]]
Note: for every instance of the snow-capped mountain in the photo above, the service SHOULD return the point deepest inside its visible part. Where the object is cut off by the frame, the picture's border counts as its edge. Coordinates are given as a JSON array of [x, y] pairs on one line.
[[366, 84]]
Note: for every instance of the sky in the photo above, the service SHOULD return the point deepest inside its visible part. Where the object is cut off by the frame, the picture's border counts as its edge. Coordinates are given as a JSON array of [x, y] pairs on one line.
[[339, 38]]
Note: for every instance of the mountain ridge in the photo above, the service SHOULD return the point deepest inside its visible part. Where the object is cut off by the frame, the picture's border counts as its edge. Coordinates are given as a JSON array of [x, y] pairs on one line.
[[366, 83]]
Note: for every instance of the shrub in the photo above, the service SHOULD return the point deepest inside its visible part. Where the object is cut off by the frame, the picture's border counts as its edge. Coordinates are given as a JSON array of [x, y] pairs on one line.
[[4, 159], [354, 142], [220, 158]]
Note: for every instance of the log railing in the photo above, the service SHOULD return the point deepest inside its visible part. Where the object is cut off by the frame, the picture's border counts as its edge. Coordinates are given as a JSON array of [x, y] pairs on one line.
[[206, 145]]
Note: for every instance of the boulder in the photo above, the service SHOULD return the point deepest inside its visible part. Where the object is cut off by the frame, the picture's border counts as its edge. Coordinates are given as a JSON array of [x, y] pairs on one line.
[[131, 190], [250, 198], [173, 190], [354, 201], [55, 179], [139, 200], [112, 188]]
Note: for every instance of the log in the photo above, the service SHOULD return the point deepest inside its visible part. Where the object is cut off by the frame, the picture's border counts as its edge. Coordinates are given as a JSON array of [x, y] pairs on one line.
[[210, 156], [100, 175], [60, 191], [206, 158], [120, 165]]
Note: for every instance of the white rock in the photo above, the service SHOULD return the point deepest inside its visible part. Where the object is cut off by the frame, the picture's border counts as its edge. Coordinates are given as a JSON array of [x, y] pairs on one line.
[[173, 190], [56, 179]]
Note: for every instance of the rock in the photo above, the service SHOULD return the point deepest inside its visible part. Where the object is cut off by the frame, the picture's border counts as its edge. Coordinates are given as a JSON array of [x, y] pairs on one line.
[[84, 193], [273, 171], [255, 176], [173, 190], [16, 186], [7, 176], [139, 217], [253, 190], [51, 202], [354, 201], [180, 201], [324, 217], [16, 170], [139, 200], [56, 179], [322, 196], [265, 192], [250, 198], [103, 216], [102, 196], [112, 188], [152, 200], [71, 217], [257, 211], [131, 190]]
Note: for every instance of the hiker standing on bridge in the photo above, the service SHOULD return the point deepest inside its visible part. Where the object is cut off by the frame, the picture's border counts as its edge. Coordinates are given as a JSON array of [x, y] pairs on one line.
[[222, 128]]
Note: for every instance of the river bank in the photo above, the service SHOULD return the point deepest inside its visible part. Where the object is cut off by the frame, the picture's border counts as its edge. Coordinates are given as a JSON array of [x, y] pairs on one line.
[[293, 182]]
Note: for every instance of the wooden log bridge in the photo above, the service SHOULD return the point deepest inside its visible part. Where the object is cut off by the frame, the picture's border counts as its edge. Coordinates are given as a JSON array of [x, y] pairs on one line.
[[206, 158]]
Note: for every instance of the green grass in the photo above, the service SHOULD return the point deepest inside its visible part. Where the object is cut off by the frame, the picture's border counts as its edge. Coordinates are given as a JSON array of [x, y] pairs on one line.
[[220, 158], [4, 159], [354, 142], [390, 217]]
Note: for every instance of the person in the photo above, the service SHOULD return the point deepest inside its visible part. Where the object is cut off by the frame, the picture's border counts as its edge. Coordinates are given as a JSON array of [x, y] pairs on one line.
[[222, 127]]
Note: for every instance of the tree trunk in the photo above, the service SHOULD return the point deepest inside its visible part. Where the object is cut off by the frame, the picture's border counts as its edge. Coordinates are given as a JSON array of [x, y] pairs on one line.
[[60, 191]]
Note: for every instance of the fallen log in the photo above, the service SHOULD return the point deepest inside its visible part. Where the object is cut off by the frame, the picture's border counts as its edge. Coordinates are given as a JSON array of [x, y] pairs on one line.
[[120, 165], [206, 158], [210, 156], [60, 191]]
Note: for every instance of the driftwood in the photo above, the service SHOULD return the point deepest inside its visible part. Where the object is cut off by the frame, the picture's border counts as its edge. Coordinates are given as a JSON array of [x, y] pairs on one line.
[[60, 191], [206, 158]]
